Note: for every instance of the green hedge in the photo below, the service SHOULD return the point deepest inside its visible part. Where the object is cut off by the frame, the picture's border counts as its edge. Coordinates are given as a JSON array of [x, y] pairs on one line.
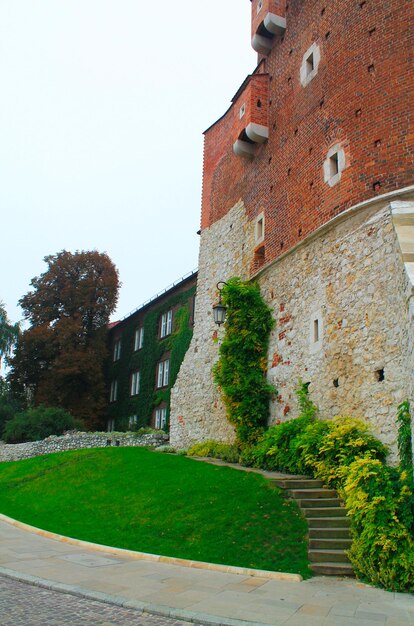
[[40, 422]]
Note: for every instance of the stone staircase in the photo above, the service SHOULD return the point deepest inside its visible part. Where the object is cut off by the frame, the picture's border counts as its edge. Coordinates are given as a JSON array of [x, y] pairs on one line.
[[328, 525]]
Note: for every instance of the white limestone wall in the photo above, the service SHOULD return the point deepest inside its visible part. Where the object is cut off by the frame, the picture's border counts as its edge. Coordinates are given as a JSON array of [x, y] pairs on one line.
[[197, 412], [351, 279]]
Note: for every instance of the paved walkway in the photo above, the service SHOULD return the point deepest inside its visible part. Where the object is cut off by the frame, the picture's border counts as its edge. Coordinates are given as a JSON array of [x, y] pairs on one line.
[[22, 604], [195, 595]]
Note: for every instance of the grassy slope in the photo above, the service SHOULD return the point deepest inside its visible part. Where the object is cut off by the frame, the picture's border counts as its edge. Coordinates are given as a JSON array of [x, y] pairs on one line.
[[151, 502]]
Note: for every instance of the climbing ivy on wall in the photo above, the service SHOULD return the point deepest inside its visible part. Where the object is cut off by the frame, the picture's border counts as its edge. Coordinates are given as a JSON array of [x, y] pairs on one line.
[[146, 359], [241, 369]]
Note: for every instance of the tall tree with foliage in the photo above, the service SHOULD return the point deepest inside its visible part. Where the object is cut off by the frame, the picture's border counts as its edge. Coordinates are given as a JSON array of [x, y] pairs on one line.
[[8, 333], [59, 360]]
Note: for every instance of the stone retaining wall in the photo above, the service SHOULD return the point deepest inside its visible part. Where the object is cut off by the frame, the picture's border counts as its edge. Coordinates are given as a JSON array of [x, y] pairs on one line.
[[76, 441]]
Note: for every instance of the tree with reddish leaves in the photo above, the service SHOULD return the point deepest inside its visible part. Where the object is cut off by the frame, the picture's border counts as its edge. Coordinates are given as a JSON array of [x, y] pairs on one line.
[[59, 360]]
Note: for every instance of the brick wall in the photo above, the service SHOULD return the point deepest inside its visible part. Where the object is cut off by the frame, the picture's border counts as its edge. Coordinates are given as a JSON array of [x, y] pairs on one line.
[[361, 99]]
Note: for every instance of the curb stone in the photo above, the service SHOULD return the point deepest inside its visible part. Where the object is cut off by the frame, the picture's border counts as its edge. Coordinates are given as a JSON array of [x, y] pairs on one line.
[[203, 619], [144, 556]]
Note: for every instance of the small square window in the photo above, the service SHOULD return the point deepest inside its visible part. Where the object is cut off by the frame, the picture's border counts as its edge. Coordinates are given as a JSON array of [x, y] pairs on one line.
[[242, 110], [260, 228], [310, 64], [334, 164]]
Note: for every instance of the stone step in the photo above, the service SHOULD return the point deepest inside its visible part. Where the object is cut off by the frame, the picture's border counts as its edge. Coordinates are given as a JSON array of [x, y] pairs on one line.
[[329, 522], [298, 483], [329, 511], [329, 544], [329, 533], [330, 556], [332, 569], [311, 503], [300, 494]]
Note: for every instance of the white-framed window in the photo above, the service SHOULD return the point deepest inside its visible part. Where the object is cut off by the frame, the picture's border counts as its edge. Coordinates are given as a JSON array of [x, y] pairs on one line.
[[132, 421], [160, 418], [139, 338], [163, 373], [113, 394], [334, 165], [117, 350], [310, 64], [135, 383], [111, 425], [242, 110], [259, 6], [166, 324]]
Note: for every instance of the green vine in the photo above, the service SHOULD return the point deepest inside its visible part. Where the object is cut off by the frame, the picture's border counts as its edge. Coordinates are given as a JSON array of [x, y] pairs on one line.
[[405, 447], [146, 360], [241, 369]]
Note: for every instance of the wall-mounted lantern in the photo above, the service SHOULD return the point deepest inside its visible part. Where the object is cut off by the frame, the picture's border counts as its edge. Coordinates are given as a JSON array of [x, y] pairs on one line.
[[219, 310]]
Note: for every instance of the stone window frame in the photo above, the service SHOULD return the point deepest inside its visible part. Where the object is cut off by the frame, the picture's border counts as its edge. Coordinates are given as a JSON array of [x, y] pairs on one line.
[[306, 74], [259, 225], [259, 6], [334, 165], [316, 331], [242, 110]]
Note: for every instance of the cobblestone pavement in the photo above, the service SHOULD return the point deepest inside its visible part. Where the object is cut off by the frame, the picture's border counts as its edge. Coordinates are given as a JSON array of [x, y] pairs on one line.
[[25, 605]]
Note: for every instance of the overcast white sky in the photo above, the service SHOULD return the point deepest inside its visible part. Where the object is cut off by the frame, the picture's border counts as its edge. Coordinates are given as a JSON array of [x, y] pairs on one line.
[[102, 108]]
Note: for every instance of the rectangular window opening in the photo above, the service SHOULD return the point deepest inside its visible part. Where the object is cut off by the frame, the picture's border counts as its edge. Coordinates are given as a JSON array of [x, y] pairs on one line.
[[334, 164], [315, 331], [135, 383], [138, 339], [310, 64]]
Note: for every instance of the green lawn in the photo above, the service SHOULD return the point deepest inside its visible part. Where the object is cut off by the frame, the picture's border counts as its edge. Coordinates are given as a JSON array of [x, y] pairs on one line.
[[147, 501]]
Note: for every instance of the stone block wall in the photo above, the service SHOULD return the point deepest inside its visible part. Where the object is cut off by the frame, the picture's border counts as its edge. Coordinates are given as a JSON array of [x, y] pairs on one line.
[[349, 280], [77, 441]]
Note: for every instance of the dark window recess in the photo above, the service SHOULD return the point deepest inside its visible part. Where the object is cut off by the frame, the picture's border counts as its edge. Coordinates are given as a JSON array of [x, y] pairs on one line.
[[379, 375], [336, 382]]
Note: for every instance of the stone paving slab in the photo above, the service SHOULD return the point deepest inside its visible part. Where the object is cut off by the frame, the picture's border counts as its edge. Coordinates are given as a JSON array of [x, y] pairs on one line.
[[194, 595]]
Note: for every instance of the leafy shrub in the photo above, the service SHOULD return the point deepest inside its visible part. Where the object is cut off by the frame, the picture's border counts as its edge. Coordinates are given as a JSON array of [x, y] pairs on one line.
[[378, 502], [283, 440], [336, 445], [216, 450], [38, 423], [165, 449], [145, 430], [405, 446]]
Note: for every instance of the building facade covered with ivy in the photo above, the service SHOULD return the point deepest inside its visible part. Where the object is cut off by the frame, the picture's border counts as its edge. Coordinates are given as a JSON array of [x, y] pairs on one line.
[[146, 350]]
